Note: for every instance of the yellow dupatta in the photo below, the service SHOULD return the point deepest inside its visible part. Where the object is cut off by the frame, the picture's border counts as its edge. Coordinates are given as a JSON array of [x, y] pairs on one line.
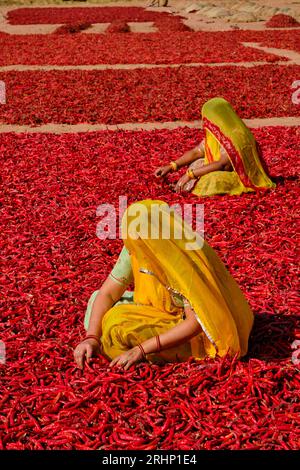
[[180, 261], [224, 127]]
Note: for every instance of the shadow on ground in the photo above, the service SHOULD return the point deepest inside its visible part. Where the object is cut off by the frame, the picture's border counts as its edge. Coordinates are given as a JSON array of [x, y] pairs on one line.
[[272, 336]]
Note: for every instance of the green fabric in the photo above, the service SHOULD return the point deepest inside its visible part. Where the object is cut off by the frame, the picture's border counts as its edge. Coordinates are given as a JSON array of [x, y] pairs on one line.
[[122, 271], [122, 274]]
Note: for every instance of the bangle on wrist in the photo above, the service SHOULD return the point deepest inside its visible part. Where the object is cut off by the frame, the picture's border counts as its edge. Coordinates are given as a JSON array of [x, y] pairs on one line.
[[142, 350], [190, 174], [92, 337], [174, 166]]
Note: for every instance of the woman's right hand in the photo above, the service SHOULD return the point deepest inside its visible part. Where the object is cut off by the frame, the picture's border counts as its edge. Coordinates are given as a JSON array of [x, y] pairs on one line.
[[85, 350], [162, 171]]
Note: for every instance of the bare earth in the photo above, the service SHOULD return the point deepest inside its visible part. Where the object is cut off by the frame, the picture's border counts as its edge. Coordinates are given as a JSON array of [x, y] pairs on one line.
[[147, 126]]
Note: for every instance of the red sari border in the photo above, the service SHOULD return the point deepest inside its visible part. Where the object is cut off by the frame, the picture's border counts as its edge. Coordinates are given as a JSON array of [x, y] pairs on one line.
[[232, 152], [210, 158]]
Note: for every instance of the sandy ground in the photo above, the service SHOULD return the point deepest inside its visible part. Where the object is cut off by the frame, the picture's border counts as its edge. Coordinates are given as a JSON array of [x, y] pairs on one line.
[[148, 126], [46, 68]]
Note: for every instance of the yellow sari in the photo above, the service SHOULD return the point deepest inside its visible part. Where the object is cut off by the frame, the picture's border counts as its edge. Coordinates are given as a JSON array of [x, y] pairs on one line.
[[186, 266], [223, 127]]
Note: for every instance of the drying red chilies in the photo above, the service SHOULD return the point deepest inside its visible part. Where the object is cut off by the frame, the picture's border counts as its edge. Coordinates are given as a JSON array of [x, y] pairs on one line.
[[137, 48], [141, 95], [52, 259], [47, 403], [282, 21]]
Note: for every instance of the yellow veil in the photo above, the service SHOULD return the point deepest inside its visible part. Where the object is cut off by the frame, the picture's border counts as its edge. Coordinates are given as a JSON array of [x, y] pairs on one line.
[[224, 127], [177, 258]]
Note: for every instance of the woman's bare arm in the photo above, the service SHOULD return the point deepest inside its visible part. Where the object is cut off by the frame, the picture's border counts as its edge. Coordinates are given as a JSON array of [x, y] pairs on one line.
[[188, 157], [177, 335], [191, 155], [109, 293], [220, 165]]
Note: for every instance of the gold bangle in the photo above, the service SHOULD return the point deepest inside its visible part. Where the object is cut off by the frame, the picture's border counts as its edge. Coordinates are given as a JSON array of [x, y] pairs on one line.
[[174, 166], [190, 174]]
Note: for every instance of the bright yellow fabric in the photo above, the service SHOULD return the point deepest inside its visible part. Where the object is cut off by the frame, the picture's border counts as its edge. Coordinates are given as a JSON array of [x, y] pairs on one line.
[[214, 147], [221, 114], [124, 326], [197, 273], [220, 182]]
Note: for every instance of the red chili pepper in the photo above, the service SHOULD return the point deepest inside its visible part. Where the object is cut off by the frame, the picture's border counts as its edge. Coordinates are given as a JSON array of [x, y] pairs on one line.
[[207, 404]]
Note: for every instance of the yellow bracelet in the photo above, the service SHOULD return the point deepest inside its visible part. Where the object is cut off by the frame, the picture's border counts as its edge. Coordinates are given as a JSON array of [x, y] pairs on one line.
[[174, 166], [190, 174]]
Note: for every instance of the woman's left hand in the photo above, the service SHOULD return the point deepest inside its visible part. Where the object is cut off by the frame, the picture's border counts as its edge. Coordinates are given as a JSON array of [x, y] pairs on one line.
[[128, 358], [181, 182]]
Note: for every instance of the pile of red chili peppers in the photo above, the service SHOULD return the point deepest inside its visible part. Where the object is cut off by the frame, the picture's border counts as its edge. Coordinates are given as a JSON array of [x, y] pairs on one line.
[[52, 260], [141, 95], [139, 48], [282, 21], [72, 28], [164, 20]]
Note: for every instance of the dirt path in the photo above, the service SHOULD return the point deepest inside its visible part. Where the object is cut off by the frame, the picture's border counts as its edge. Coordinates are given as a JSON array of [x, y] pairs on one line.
[[22, 68], [292, 55], [146, 126], [135, 27]]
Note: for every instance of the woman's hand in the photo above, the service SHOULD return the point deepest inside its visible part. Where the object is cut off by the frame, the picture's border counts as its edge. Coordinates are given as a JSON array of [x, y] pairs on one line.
[[162, 171], [128, 358], [179, 187], [85, 350]]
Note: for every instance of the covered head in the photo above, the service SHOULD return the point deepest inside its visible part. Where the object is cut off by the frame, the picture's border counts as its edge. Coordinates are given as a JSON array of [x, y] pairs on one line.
[[166, 247], [222, 124]]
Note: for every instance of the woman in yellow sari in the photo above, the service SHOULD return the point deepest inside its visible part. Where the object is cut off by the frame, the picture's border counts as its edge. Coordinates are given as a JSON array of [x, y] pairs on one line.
[[185, 303], [227, 160]]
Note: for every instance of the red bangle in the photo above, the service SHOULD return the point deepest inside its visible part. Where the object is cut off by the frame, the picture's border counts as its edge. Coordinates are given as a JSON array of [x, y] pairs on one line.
[[158, 343], [142, 350], [92, 337]]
